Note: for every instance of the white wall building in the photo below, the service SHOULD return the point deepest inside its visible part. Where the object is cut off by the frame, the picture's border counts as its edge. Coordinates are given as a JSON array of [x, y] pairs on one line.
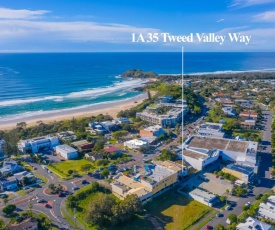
[[210, 129], [38, 143], [66, 151], [253, 224], [267, 210], [206, 198], [135, 144], [201, 151]]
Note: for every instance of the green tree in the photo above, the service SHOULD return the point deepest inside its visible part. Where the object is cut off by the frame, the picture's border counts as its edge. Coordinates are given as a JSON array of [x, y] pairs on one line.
[[167, 155], [232, 218], [119, 134], [25, 181], [70, 171], [86, 167], [2, 225], [9, 209], [219, 227], [105, 173]]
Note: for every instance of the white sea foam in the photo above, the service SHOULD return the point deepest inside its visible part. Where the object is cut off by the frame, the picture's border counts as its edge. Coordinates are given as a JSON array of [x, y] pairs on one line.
[[38, 113], [91, 93], [223, 72]]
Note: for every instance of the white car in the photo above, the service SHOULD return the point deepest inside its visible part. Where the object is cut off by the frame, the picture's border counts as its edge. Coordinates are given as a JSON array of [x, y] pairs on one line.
[[248, 204]]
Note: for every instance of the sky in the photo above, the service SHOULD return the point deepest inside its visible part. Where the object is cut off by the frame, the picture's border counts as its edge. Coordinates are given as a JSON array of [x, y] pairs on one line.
[[107, 25]]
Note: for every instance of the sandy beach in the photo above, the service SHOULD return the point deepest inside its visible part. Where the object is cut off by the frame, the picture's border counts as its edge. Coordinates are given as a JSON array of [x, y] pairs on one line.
[[111, 108]]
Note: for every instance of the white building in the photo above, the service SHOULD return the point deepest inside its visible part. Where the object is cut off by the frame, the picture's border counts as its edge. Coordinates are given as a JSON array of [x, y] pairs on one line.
[[201, 151], [211, 130], [267, 210], [206, 198], [135, 144], [66, 151], [253, 224], [38, 143]]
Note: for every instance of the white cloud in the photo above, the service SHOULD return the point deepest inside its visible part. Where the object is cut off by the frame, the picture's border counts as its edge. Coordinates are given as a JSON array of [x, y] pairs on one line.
[[268, 16], [222, 19], [245, 3], [72, 31], [6, 13]]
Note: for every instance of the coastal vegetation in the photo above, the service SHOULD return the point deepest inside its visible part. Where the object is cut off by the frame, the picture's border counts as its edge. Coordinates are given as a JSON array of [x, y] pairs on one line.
[[96, 208]]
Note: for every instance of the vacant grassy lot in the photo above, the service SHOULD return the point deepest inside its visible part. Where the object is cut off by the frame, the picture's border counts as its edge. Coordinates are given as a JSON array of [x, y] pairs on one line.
[[177, 211], [62, 168], [138, 223]]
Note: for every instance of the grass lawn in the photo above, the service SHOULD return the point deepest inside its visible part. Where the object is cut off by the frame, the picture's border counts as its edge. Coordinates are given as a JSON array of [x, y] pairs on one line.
[[61, 168], [254, 135], [40, 176], [138, 223], [176, 210]]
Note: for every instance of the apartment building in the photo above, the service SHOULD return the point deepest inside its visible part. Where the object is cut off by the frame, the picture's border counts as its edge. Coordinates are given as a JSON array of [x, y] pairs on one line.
[[156, 179], [38, 143]]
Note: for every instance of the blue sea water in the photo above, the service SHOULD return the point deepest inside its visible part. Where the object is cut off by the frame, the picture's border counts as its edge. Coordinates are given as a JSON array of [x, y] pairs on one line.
[[39, 83]]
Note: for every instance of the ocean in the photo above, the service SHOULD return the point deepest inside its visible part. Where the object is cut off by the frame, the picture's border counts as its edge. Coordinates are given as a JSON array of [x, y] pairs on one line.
[[41, 83]]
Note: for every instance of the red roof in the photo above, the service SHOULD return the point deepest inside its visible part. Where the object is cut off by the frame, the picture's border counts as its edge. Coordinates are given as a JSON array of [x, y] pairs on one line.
[[112, 149]]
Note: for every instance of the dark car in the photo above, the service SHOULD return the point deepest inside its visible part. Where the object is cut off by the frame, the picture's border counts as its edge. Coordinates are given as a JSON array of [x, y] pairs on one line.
[[84, 182]]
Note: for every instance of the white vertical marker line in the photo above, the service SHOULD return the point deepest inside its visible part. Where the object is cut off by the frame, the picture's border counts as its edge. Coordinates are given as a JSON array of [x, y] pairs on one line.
[[182, 124]]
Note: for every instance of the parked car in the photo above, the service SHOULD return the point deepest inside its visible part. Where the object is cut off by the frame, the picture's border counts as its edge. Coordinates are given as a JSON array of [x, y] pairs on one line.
[[84, 182], [60, 194], [228, 208], [3, 196], [219, 214], [75, 188], [208, 227], [41, 201], [47, 205], [248, 204]]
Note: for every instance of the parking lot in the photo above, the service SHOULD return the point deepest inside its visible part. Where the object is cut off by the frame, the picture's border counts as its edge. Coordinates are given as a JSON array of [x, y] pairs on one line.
[[209, 182]]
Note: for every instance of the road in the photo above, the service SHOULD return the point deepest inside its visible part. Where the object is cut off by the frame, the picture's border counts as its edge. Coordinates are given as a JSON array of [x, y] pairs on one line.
[[263, 174]]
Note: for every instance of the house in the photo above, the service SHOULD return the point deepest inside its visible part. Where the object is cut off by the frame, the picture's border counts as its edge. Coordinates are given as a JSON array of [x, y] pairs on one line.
[[242, 172], [19, 176], [211, 129], [229, 111], [200, 151], [10, 167], [28, 224], [66, 152], [155, 130], [135, 144], [253, 224], [267, 210], [113, 149], [226, 102], [121, 120], [67, 135], [8, 184], [248, 124], [83, 145], [249, 114], [156, 179], [94, 156], [204, 197], [38, 143]]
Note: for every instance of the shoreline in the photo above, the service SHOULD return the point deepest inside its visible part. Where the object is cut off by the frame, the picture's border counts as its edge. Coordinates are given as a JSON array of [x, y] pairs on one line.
[[111, 108]]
